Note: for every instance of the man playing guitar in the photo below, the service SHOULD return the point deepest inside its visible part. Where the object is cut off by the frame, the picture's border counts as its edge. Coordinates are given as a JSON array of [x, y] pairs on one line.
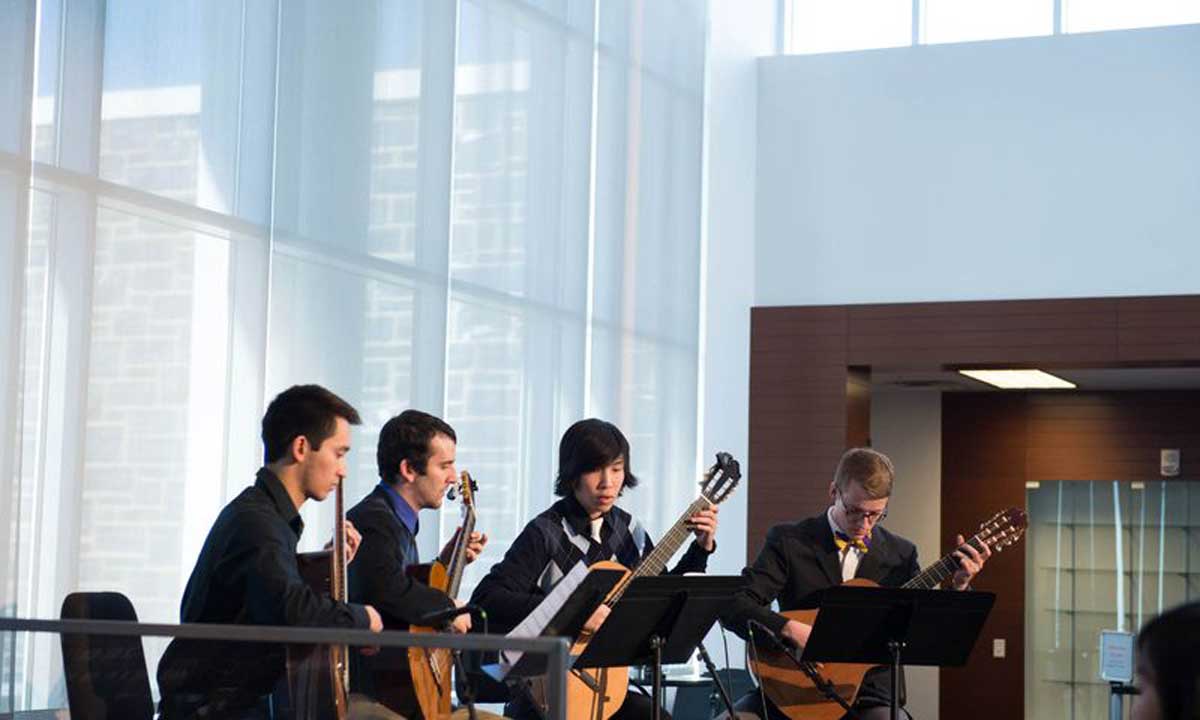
[[247, 573], [415, 457], [844, 542], [593, 471]]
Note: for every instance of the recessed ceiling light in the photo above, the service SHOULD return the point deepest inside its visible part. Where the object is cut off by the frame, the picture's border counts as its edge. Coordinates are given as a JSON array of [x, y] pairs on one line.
[[1019, 379]]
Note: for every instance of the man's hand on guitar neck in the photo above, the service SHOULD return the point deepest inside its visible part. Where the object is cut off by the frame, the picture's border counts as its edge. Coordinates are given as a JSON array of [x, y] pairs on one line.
[[970, 562], [796, 633], [475, 545], [704, 525], [353, 540]]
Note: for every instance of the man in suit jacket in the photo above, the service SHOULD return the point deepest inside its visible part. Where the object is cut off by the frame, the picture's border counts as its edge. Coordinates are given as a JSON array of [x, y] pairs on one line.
[[846, 541], [415, 458]]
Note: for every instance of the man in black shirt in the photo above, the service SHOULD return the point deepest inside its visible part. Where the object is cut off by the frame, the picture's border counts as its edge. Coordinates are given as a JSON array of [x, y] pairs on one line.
[[247, 571], [593, 471], [846, 541], [415, 457]]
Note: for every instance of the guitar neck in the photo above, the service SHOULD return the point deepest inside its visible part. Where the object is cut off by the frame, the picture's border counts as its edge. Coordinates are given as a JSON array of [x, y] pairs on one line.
[[458, 560], [940, 571], [656, 561], [337, 576]]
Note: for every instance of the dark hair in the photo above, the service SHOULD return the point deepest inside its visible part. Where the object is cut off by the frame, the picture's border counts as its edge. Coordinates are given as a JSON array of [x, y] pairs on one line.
[[587, 446], [308, 410], [1168, 645], [407, 437]]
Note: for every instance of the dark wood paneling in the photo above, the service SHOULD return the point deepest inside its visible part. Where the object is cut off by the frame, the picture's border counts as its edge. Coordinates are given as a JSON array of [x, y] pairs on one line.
[[983, 466], [1016, 332], [1111, 436], [1165, 329], [858, 407], [798, 415]]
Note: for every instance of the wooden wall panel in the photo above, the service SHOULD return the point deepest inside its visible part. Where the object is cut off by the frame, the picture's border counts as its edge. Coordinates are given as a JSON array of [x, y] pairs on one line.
[[1111, 436], [1160, 329], [1005, 332], [798, 376], [858, 407], [983, 471]]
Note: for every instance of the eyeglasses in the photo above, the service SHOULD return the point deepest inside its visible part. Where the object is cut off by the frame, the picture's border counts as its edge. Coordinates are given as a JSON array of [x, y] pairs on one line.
[[855, 514]]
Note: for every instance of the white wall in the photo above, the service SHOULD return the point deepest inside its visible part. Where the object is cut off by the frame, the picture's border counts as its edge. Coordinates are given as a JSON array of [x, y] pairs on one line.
[[907, 427], [1058, 166], [739, 33]]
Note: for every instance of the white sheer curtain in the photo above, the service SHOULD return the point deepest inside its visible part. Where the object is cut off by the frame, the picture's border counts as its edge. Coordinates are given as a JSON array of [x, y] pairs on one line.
[[487, 209]]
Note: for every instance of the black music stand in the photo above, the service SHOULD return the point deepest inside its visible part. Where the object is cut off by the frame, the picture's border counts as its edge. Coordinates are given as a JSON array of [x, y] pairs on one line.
[[659, 620], [567, 621], [877, 625]]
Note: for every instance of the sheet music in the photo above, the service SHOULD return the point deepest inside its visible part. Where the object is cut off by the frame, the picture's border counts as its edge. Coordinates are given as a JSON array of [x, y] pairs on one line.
[[535, 623]]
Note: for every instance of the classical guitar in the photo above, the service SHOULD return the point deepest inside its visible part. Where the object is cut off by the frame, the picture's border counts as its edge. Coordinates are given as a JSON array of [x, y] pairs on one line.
[[597, 693], [318, 677], [431, 668], [802, 692]]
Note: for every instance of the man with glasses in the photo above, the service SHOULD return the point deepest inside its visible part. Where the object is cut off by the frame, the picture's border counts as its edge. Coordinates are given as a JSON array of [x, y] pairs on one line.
[[844, 542]]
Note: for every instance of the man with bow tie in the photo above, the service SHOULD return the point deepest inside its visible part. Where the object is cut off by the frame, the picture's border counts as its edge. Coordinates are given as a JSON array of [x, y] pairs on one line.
[[844, 542]]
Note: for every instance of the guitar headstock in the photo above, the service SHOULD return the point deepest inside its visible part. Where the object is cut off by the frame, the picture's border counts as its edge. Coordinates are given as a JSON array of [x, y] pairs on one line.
[[466, 487], [721, 478], [1003, 529]]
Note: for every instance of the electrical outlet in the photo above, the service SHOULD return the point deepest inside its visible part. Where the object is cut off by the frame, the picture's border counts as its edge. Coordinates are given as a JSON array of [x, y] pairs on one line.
[[998, 648]]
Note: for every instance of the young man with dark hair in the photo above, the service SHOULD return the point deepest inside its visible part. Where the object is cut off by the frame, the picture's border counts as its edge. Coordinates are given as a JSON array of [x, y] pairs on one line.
[[247, 573], [415, 459], [846, 541], [593, 471]]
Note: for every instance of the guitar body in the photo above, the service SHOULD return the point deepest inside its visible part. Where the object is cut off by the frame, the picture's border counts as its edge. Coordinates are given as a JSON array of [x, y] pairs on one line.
[[584, 703], [792, 691], [432, 668], [612, 684], [592, 693]]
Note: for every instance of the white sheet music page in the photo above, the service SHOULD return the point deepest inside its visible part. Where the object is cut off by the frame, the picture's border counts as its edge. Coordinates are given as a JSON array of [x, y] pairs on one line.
[[535, 623]]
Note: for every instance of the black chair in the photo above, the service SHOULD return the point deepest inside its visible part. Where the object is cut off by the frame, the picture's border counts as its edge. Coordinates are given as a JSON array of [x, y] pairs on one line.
[[106, 674]]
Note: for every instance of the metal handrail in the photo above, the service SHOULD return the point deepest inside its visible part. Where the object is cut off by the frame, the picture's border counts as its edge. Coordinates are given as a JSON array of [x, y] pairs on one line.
[[556, 649]]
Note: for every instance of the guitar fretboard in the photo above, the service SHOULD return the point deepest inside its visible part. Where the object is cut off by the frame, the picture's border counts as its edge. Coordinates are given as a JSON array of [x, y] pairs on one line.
[[337, 572], [656, 561], [942, 570], [458, 560]]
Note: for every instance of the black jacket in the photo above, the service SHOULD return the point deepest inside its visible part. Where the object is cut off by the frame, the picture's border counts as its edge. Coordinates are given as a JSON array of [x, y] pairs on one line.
[[246, 575], [378, 577], [799, 559]]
